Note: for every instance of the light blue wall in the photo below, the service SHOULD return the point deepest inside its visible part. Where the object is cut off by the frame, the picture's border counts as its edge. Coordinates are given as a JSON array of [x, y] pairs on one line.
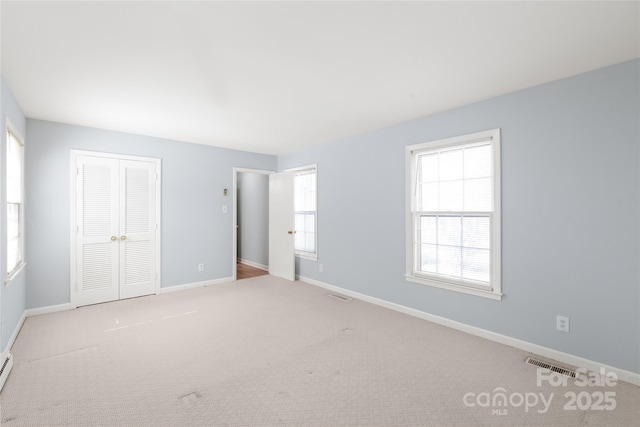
[[570, 208], [253, 217], [194, 228], [12, 297]]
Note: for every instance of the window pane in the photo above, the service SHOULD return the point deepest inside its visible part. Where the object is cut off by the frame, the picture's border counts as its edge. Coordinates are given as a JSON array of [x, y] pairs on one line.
[[477, 162], [451, 165], [299, 193], [304, 191], [428, 168], [449, 260], [13, 236], [476, 232], [299, 240], [310, 222], [305, 224], [451, 196], [477, 264], [450, 230], [428, 229], [428, 197], [310, 242], [299, 222], [428, 258], [312, 191], [14, 172], [477, 195]]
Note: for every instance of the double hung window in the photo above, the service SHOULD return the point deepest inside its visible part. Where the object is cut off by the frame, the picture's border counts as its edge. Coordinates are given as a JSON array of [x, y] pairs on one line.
[[305, 184], [453, 232], [15, 203]]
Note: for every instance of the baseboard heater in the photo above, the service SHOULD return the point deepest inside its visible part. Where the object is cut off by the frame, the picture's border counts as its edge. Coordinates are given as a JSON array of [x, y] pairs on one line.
[[4, 371]]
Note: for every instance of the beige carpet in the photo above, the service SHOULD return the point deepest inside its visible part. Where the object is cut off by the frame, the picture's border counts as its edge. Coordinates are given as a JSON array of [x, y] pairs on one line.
[[264, 351]]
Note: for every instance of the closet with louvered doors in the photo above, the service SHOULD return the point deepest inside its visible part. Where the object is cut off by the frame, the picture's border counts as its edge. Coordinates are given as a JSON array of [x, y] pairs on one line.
[[115, 230]]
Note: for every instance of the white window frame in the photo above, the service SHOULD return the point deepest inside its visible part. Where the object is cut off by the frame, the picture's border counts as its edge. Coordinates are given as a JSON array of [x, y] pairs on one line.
[[310, 255], [12, 133], [494, 289]]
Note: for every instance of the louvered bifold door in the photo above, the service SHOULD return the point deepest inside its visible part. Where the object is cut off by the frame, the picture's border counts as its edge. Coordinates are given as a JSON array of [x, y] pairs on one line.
[[97, 228], [137, 228]]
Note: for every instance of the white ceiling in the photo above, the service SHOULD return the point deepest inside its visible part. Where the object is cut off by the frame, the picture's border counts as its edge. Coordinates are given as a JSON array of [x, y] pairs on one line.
[[275, 77]]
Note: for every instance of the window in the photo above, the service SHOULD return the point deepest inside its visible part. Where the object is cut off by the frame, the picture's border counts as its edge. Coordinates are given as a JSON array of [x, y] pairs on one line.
[[304, 200], [15, 203], [453, 224]]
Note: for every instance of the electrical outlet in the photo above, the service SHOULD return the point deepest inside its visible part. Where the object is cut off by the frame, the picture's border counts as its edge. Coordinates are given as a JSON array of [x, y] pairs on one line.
[[562, 323], [321, 268], [200, 267]]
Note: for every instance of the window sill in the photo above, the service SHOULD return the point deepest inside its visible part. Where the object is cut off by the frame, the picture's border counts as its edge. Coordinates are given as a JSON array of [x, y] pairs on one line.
[[307, 255], [14, 274], [491, 294]]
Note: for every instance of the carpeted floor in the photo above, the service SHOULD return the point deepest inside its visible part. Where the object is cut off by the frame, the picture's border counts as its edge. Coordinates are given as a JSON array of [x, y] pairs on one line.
[[264, 351]]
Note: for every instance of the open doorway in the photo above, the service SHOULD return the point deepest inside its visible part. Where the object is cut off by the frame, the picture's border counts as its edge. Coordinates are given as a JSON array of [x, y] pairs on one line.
[[251, 223]]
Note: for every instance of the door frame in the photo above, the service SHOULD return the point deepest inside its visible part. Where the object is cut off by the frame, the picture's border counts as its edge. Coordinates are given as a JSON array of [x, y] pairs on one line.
[[234, 225], [73, 174]]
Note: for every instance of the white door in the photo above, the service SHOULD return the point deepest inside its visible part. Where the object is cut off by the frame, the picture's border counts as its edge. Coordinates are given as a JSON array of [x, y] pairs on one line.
[[138, 228], [116, 217], [281, 253], [97, 254]]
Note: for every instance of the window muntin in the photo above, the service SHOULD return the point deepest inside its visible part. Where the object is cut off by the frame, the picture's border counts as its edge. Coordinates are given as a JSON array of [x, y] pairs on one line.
[[453, 240], [15, 203], [305, 185]]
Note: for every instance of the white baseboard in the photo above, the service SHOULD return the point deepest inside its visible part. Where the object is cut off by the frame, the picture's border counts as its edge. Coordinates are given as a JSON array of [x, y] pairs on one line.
[[569, 359], [253, 264], [195, 285], [49, 309], [67, 306], [16, 331]]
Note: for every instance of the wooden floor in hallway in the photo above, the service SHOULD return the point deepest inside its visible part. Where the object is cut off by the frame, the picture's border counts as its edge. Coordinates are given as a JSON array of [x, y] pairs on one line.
[[244, 271]]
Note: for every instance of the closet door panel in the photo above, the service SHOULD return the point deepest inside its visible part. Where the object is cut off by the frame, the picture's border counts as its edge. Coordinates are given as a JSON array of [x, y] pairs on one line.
[[97, 228], [137, 228]]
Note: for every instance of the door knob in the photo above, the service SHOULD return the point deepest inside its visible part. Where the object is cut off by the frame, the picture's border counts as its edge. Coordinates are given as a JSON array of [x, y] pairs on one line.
[[113, 238], [123, 237], [290, 232]]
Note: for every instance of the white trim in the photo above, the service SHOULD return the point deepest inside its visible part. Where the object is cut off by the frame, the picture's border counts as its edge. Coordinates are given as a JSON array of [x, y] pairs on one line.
[[16, 331], [14, 273], [169, 289], [73, 174], [234, 212], [303, 168], [253, 264], [456, 288], [48, 309], [569, 359], [312, 256], [114, 156]]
